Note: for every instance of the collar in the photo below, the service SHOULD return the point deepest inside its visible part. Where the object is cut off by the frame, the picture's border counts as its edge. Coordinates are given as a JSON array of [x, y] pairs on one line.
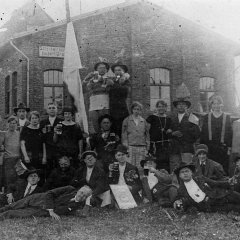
[[141, 119]]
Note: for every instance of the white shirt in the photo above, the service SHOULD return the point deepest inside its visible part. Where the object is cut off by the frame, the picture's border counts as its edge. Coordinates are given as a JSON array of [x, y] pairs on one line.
[[32, 189], [51, 120], [180, 116], [121, 180], [136, 120], [194, 191], [89, 173], [22, 122], [152, 180]]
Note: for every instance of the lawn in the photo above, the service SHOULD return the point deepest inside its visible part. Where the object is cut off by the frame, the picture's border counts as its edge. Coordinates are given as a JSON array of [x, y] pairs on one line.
[[139, 223]]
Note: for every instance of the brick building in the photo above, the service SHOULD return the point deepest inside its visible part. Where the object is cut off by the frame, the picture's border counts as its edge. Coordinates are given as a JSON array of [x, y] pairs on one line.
[[161, 49]]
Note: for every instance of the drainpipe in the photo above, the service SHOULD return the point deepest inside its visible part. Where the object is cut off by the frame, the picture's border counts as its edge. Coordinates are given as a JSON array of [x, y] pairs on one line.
[[27, 69]]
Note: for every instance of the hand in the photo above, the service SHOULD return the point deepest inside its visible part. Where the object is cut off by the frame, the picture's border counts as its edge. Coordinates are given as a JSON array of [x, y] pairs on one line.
[[44, 160], [229, 151], [177, 134], [178, 204], [44, 130], [111, 167], [85, 135], [169, 131], [27, 159], [54, 215], [10, 198], [79, 156], [232, 181], [130, 187]]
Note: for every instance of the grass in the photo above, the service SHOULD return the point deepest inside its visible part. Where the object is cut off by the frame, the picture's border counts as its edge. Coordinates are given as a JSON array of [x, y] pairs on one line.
[[139, 223]]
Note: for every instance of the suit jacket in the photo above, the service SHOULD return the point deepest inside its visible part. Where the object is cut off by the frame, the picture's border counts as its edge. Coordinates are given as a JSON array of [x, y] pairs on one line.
[[213, 170], [190, 131], [18, 189], [213, 189], [97, 181], [20, 128]]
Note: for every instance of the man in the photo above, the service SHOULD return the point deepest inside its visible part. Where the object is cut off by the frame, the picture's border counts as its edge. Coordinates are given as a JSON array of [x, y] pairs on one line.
[[59, 201], [105, 142], [207, 167], [200, 192], [94, 177], [98, 85], [125, 173], [21, 112], [47, 126], [184, 133], [62, 175], [22, 188]]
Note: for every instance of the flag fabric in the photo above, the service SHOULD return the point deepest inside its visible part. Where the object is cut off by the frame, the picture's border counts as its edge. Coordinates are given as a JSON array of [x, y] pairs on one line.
[[71, 76]]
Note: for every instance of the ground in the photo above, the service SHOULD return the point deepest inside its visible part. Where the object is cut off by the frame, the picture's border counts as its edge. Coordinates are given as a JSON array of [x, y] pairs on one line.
[[139, 223]]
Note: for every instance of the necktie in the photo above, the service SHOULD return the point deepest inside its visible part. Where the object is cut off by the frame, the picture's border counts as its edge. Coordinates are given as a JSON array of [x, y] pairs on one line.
[[28, 191]]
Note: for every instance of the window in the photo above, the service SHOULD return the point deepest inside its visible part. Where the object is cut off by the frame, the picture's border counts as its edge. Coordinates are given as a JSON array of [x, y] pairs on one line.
[[53, 88], [14, 89], [207, 89], [159, 87], [7, 95]]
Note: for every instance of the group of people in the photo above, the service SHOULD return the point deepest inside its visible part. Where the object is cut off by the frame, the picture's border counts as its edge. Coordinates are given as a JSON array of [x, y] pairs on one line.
[[52, 168]]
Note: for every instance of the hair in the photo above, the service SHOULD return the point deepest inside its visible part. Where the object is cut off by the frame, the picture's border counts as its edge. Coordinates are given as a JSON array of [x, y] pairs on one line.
[[12, 118], [35, 113], [136, 104], [215, 97], [52, 103], [106, 116], [162, 102], [65, 157]]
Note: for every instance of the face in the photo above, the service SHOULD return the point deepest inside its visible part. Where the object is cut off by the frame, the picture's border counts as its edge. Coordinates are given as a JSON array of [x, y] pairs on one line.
[[216, 105], [67, 116], [121, 157], [12, 125], [185, 174], [64, 163], [33, 179], [161, 109], [34, 120], [52, 110], [118, 71], [181, 107], [202, 156], [136, 110], [21, 113], [238, 164], [106, 124], [90, 161], [101, 69]]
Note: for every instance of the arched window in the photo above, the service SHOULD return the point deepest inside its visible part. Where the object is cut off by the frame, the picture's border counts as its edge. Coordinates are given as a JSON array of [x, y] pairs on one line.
[[7, 95], [207, 89], [14, 89], [53, 88], [159, 86]]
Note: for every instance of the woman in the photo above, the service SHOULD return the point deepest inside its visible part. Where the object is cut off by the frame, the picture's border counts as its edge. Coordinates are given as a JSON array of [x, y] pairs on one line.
[[32, 143], [159, 127], [217, 132], [118, 95], [68, 136], [135, 135]]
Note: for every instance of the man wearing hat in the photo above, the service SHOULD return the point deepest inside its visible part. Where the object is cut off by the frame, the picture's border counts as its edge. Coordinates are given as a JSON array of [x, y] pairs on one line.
[[98, 84], [205, 166], [93, 176], [184, 130], [118, 96], [22, 188], [204, 193], [21, 111]]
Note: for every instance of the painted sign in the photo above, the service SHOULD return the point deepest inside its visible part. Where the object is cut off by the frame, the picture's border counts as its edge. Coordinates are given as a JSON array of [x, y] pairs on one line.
[[52, 52]]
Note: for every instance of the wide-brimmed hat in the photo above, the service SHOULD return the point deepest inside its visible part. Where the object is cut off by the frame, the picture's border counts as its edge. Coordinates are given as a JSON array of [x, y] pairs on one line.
[[119, 64], [21, 106], [86, 153], [184, 165], [104, 63], [184, 100], [201, 148], [121, 148], [31, 171]]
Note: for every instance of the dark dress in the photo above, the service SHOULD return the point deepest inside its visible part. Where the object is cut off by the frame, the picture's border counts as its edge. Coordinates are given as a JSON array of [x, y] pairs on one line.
[[34, 146], [218, 149], [118, 104], [159, 142], [67, 142]]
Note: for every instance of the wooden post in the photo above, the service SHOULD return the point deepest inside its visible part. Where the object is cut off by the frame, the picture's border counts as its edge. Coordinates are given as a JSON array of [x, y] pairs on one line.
[[67, 11]]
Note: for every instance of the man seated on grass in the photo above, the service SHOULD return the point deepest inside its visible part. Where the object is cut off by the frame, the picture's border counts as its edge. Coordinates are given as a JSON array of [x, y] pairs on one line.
[[56, 202], [62, 175], [22, 188], [121, 172], [200, 192], [235, 180], [93, 176], [158, 184]]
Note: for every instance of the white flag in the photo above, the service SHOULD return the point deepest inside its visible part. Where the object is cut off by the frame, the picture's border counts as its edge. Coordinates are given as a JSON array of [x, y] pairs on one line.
[[71, 66]]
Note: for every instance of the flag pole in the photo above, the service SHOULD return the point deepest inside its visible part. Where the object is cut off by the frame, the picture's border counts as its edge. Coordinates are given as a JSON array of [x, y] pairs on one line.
[[68, 16]]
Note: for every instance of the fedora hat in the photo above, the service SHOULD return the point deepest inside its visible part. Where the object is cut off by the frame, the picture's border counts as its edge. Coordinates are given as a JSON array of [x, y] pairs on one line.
[[31, 171], [201, 148], [104, 63], [86, 153], [184, 165], [21, 106], [119, 64]]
